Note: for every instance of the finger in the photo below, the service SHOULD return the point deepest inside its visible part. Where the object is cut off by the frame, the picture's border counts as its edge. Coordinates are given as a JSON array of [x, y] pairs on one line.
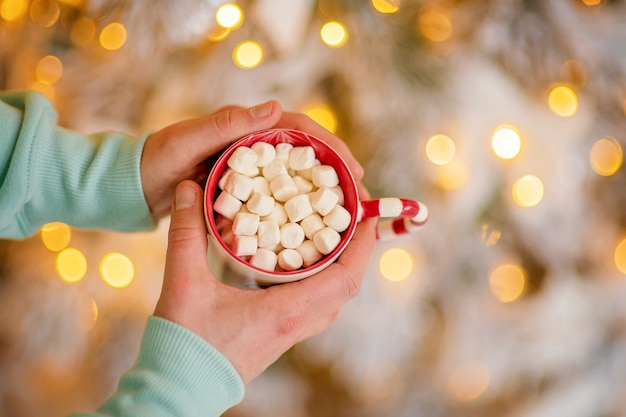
[[306, 124]]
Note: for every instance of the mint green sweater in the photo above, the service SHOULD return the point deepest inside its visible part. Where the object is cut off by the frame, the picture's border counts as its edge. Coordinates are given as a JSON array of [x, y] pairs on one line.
[[52, 174]]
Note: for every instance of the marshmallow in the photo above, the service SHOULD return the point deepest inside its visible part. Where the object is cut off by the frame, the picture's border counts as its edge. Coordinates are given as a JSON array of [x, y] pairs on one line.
[[278, 214], [227, 205], [265, 153], [311, 225], [222, 182], [268, 234], [283, 187], [244, 245], [291, 235], [309, 253], [308, 173], [283, 150], [304, 186], [261, 185], [264, 259], [323, 200], [339, 191], [260, 204], [301, 157], [324, 176], [239, 186], [289, 259], [298, 207], [246, 224], [338, 219], [274, 169], [242, 159], [326, 240], [253, 172]]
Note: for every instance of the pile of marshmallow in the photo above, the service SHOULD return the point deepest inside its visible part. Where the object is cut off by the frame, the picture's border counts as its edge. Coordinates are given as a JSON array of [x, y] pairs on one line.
[[280, 208]]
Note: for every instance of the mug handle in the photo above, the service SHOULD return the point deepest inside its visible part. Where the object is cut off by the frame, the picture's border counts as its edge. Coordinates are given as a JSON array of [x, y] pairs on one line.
[[407, 216]]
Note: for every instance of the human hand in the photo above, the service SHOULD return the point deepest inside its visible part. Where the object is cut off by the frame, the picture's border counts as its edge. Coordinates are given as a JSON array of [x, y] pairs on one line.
[[251, 328]]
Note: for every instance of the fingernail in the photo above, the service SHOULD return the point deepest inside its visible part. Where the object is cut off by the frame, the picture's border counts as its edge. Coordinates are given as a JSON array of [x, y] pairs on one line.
[[262, 110], [185, 197]]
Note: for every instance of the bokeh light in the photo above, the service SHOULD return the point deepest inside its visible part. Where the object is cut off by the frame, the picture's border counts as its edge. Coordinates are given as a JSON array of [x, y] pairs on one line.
[[55, 236], [74, 3], [528, 191], [506, 142], [218, 33], [334, 34], [324, 116], [396, 264], [229, 16], [507, 282], [71, 265], [49, 70], [435, 25], [83, 31], [452, 176], [117, 270], [113, 36], [440, 149], [563, 101], [248, 54], [592, 2], [13, 10], [620, 256], [45, 13], [490, 234], [468, 381], [385, 6], [606, 156]]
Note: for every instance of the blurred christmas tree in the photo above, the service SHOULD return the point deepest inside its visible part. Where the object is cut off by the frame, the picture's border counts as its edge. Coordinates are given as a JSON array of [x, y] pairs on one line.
[[505, 116]]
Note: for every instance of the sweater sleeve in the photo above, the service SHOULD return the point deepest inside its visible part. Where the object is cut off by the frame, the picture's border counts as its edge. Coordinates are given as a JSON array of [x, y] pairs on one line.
[[48, 173], [177, 374]]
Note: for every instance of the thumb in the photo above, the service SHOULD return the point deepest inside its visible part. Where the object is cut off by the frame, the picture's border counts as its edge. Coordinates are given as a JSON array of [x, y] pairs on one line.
[[187, 240]]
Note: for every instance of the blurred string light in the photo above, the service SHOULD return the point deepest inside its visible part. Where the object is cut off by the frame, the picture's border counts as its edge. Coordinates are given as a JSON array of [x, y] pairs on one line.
[[528, 191], [507, 282], [490, 234], [49, 70], [506, 142], [83, 31], [385, 6], [323, 115], [440, 149], [592, 2], [606, 156], [71, 265], [563, 101], [113, 36], [13, 10], [334, 34], [247, 54], [218, 33], [229, 16], [117, 270], [44, 12], [452, 176], [434, 25], [55, 236], [468, 381], [396, 264], [620, 256]]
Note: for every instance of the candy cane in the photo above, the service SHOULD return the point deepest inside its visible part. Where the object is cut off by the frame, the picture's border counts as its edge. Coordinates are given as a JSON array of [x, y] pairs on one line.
[[407, 216]]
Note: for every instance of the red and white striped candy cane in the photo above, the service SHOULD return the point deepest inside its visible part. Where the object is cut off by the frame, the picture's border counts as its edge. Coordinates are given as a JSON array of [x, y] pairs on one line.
[[407, 216]]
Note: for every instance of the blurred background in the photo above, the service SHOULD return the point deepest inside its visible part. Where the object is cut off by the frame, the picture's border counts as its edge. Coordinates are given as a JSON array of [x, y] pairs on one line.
[[505, 117]]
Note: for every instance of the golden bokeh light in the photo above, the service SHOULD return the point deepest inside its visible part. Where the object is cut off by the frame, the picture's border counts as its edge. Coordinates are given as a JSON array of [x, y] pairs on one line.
[[218, 33], [606, 156], [507, 282], [396, 264], [528, 191], [452, 176], [55, 236], [490, 234], [229, 16], [71, 265], [468, 381], [45, 13], [440, 149], [506, 142], [563, 101], [385, 6], [334, 34], [49, 70], [113, 36], [117, 270], [83, 31], [324, 116], [74, 3], [435, 25], [13, 10], [620, 256], [248, 54], [592, 2]]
